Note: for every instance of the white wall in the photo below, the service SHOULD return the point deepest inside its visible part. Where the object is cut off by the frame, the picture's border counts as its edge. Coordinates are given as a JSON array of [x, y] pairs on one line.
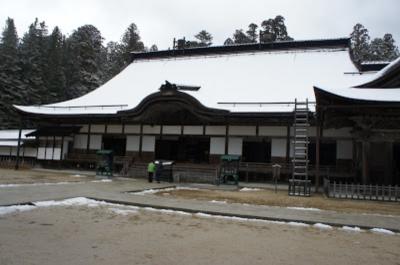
[[156, 129], [49, 153], [278, 147], [272, 131], [132, 129], [80, 141], [84, 128], [217, 145], [242, 130], [235, 146], [97, 128], [342, 132], [57, 154], [30, 152], [114, 128], [40, 153], [4, 150], [132, 143], [193, 130], [167, 129], [215, 130], [344, 149], [95, 142], [149, 144]]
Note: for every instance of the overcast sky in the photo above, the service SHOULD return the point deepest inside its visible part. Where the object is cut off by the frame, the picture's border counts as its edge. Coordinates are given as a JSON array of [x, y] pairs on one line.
[[159, 21]]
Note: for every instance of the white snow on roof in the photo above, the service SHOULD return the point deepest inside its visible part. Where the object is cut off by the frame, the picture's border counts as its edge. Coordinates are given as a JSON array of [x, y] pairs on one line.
[[394, 64], [368, 94], [262, 76], [13, 134]]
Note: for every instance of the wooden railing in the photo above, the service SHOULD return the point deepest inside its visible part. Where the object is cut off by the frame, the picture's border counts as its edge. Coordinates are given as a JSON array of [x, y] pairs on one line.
[[361, 191]]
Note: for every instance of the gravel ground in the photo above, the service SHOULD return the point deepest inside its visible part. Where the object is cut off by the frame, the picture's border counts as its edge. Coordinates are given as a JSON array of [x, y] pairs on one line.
[[107, 235]]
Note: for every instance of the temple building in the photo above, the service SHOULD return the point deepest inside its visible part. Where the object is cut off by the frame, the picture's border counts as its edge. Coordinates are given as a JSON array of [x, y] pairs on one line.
[[194, 105]]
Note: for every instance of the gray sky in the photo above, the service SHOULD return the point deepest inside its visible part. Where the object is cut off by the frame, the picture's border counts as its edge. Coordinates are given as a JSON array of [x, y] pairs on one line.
[[159, 21]]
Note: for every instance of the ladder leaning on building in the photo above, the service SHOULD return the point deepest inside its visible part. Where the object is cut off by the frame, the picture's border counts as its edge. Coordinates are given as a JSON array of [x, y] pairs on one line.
[[299, 184]]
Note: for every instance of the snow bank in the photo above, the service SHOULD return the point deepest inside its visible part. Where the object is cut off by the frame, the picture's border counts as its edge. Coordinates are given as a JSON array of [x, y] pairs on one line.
[[304, 209], [153, 191], [351, 228], [298, 224], [123, 211], [219, 202], [382, 231], [38, 184], [249, 189], [322, 226], [15, 208], [102, 180]]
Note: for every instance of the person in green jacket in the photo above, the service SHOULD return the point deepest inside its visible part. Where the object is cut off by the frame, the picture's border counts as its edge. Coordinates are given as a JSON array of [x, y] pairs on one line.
[[151, 168]]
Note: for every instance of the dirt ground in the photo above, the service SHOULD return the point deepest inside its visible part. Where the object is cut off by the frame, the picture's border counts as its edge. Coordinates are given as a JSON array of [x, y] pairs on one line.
[[81, 235], [281, 198], [10, 176]]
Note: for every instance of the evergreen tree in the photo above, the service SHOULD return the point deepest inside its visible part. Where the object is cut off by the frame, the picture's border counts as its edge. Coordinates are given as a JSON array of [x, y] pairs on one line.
[[274, 30], [360, 43], [56, 80], [131, 42], [33, 54], [114, 59], [239, 37], [12, 90], [83, 61], [228, 41], [252, 33], [204, 38], [153, 48]]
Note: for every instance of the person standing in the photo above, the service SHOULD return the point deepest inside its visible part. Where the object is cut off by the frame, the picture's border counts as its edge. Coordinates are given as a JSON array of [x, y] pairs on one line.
[[151, 168]]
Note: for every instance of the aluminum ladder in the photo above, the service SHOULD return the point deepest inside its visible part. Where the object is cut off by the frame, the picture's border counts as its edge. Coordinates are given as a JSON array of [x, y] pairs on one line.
[[299, 184]]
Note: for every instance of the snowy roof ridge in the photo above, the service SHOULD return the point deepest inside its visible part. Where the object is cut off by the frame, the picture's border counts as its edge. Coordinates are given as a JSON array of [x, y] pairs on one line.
[[239, 48]]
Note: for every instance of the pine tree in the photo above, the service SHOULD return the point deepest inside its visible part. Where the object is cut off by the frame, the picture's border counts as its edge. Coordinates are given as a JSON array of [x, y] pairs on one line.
[[12, 90], [153, 48], [360, 43], [204, 38]]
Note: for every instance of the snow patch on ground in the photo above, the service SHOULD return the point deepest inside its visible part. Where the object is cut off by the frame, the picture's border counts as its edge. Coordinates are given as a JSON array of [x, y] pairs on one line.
[[37, 184], [382, 231], [304, 209], [249, 189], [322, 226], [101, 180], [153, 191], [15, 208], [351, 228], [219, 202], [123, 211], [298, 224]]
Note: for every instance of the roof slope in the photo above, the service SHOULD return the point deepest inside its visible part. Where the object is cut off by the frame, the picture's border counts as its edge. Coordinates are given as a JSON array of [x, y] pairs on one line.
[[249, 76]]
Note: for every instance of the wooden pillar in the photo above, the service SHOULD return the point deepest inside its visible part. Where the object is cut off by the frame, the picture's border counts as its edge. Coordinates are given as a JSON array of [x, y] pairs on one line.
[[288, 144], [88, 139], [365, 166], [140, 140], [226, 139], [317, 157], [18, 146], [62, 148]]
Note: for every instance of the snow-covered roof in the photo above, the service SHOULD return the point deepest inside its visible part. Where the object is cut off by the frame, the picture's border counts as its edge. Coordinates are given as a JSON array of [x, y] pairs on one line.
[[6, 135], [244, 77], [367, 94], [385, 71]]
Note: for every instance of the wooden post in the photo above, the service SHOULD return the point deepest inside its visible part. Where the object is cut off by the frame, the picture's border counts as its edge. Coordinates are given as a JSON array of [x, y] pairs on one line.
[[288, 144], [88, 139], [18, 146], [226, 139], [365, 166], [141, 141], [317, 157]]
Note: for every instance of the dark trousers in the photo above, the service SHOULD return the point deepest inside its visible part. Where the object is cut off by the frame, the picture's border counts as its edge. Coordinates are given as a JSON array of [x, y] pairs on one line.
[[150, 175]]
